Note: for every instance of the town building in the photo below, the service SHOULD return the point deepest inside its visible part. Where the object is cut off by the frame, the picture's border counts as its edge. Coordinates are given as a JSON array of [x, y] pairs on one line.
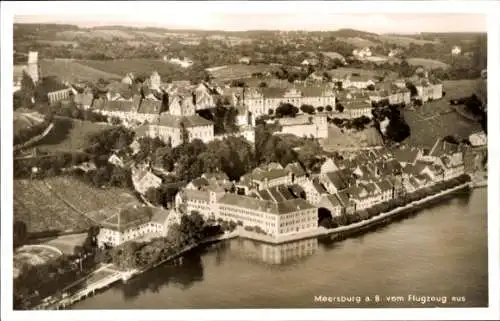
[[356, 108], [263, 178], [358, 81], [304, 126], [456, 50], [58, 95], [261, 100], [143, 179], [331, 203], [275, 219], [201, 201], [125, 224]]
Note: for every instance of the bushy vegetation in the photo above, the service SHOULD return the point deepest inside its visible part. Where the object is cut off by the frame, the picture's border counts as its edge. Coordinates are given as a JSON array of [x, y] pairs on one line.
[[36, 282]]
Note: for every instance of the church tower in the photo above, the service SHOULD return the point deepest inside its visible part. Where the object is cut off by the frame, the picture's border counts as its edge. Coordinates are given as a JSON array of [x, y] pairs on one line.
[[33, 69]]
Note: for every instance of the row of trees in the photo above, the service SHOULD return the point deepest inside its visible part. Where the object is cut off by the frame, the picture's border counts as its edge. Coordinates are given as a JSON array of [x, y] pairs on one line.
[[347, 219]]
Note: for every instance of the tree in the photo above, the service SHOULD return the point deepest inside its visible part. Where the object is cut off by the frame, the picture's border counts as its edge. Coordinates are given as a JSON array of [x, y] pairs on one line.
[[263, 84], [154, 196], [286, 109], [320, 109], [339, 107], [309, 109], [412, 88], [328, 108], [270, 111], [20, 232]]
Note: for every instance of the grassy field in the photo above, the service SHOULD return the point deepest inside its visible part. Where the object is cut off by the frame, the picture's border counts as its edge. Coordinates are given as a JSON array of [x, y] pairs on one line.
[[107, 34], [40, 210], [60, 207], [340, 72], [66, 243], [427, 124], [427, 63], [69, 134], [240, 71], [70, 70], [350, 139], [358, 42], [403, 41], [136, 66]]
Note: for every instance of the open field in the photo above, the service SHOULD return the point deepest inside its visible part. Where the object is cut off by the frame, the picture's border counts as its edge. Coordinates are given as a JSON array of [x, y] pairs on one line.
[[358, 42], [341, 72], [69, 134], [240, 71], [37, 206], [136, 66], [427, 63], [66, 243], [71, 70], [350, 138], [427, 124], [107, 34], [403, 41]]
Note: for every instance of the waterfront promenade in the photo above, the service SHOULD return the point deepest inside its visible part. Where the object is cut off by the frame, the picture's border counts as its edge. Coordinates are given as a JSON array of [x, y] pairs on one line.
[[106, 281], [321, 231]]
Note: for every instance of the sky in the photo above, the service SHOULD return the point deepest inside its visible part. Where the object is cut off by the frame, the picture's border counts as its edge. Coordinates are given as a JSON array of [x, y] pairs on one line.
[[234, 16]]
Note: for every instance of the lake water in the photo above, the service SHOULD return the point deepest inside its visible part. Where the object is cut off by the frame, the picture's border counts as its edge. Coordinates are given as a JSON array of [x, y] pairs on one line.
[[439, 251]]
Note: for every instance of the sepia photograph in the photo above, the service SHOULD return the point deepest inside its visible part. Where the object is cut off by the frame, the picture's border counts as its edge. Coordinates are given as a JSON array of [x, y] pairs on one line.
[[216, 155]]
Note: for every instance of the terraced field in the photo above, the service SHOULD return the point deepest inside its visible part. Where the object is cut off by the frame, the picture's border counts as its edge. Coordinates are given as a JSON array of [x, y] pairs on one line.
[[71, 71], [40, 210], [62, 206], [87, 198], [427, 124]]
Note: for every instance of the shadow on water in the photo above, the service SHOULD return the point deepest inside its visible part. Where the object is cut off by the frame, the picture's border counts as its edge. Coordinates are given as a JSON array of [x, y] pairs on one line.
[[183, 275]]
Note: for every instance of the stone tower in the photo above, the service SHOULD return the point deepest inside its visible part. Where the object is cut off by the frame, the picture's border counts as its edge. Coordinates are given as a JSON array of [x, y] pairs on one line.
[[33, 70]]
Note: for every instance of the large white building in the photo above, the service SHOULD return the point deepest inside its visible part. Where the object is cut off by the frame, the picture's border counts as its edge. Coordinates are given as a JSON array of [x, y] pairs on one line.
[[134, 222], [261, 100], [275, 219], [305, 125]]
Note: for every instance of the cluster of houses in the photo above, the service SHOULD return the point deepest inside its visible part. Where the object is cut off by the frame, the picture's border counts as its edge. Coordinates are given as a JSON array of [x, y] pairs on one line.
[[286, 200]]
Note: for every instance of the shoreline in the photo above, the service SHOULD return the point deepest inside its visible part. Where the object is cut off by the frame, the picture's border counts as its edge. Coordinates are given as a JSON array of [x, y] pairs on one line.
[[337, 232]]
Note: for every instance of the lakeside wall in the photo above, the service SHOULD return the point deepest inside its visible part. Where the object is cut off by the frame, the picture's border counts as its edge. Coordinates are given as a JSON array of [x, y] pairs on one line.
[[337, 233], [351, 228]]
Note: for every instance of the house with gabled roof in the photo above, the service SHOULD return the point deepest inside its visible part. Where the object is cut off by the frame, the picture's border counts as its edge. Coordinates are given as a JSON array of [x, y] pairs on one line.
[[143, 179], [127, 224], [298, 172], [407, 155], [332, 203]]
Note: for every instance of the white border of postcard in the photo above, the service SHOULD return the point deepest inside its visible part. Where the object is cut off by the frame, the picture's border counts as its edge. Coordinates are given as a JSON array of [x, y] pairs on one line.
[[142, 8]]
